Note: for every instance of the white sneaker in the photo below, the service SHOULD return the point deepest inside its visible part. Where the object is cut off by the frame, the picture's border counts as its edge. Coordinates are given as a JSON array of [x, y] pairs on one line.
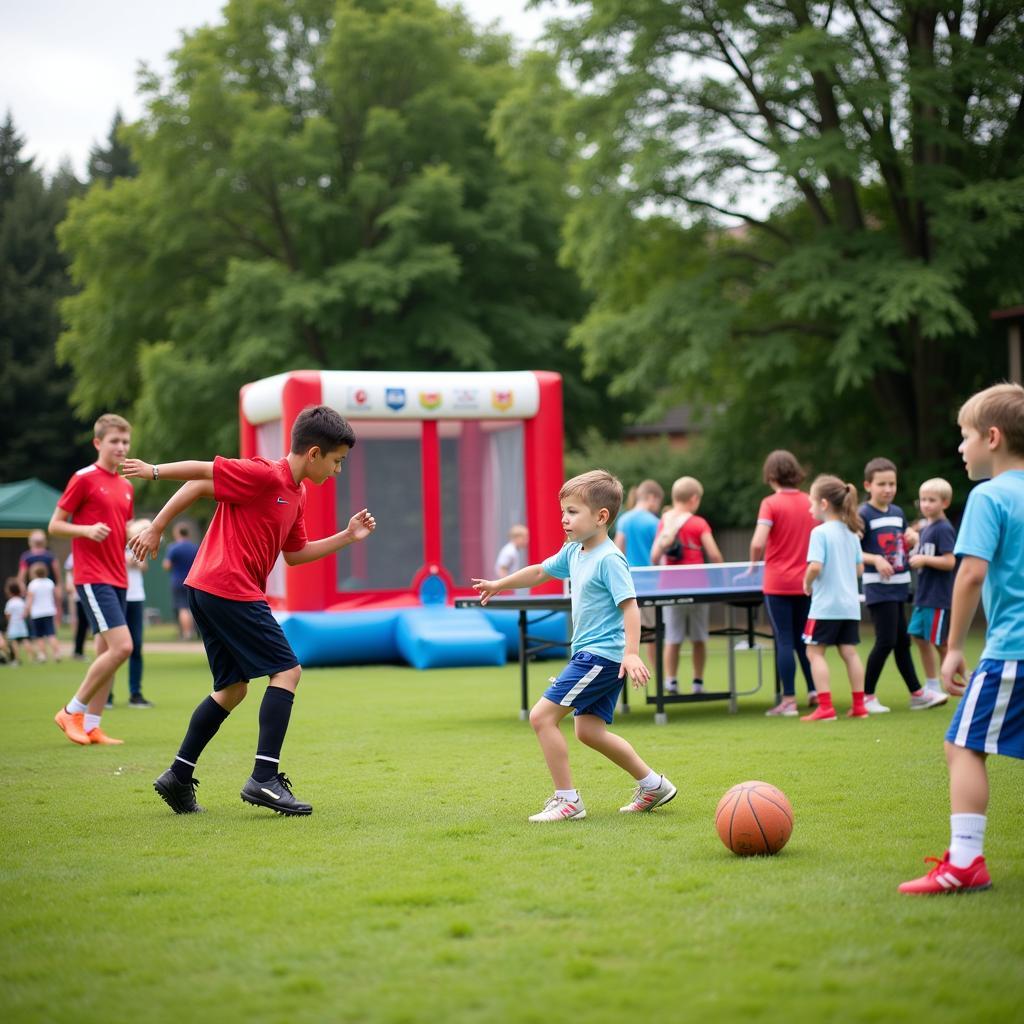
[[698, 688], [874, 706], [648, 799], [672, 687], [559, 809], [927, 699], [786, 708]]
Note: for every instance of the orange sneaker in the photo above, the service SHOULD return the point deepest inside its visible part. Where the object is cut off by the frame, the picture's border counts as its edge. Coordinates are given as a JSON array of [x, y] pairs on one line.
[[73, 726], [97, 735]]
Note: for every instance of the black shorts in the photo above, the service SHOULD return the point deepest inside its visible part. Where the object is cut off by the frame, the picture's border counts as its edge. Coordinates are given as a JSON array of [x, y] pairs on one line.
[[831, 632], [243, 640], [43, 626]]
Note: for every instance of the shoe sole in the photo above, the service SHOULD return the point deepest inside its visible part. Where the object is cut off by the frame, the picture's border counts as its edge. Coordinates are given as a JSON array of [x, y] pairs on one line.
[[174, 806], [926, 707], [82, 743], [551, 821], [962, 891], [288, 812]]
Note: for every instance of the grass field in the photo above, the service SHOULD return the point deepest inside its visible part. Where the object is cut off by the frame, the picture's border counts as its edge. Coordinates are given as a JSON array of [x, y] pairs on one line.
[[417, 891]]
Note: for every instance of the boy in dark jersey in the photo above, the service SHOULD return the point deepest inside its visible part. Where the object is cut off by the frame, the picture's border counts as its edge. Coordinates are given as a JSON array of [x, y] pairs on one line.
[[259, 515], [93, 511]]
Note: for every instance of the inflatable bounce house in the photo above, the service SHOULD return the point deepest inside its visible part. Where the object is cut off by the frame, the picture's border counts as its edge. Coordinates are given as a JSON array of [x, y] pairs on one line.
[[447, 463]]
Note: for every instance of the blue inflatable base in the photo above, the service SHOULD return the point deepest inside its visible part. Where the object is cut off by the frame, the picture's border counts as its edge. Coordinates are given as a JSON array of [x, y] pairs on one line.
[[424, 636]]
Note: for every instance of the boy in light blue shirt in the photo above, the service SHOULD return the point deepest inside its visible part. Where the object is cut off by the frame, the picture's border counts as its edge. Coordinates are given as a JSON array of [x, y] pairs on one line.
[[605, 647], [990, 718]]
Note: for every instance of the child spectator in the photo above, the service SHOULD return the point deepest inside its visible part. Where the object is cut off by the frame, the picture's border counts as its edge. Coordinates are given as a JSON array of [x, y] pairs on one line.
[[885, 542], [81, 624], [684, 538], [636, 529], [513, 555], [605, 647], [37, 554], [990, 718], [784, 525], [936, 566], [834, 561], [17, 630], [135, 614], [41, 609], [178, 562]]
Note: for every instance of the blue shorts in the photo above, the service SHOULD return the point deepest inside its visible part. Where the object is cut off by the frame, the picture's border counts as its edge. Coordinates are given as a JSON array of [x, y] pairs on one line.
[[179, 596], [243, 640], [931, 624], [43, 626], [103, 604], [990, 718], [590, 684]]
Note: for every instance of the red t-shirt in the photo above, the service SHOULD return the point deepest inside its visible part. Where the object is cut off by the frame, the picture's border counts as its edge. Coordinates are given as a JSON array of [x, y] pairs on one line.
[[689, 536], [259, 514], [785, 556], [95, 495]]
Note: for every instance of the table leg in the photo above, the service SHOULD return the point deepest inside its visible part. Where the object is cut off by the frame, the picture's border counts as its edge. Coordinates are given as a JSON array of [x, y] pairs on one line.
[[731, 620], [524, 710], [660, 718]]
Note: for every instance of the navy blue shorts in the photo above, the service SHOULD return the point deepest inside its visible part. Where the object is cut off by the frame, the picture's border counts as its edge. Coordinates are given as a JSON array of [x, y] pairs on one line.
[[990, 716], [243, 640], [179, 596], [590, 684], [43, 626], [103, 604]]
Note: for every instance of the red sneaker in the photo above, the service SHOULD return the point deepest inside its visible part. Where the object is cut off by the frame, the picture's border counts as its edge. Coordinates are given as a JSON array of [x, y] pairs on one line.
[[820, 714], [945, 878]]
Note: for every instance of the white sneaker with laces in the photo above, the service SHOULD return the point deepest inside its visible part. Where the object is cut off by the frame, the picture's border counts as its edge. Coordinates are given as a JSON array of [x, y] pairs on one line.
[[874, 706], [672, 687], [927, 699], [648, 799], [559, 809], [786, 708]]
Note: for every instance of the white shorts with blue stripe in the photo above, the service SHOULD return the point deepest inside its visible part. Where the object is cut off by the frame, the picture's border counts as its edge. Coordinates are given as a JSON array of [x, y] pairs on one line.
[[990, 718]]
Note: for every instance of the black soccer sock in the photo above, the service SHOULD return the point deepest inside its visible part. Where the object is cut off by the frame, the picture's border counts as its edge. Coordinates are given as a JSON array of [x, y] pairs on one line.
[[275, 711], [202, 727]]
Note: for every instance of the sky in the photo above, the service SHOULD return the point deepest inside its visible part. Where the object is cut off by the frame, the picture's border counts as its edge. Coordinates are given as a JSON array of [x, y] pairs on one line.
[[67, 65]]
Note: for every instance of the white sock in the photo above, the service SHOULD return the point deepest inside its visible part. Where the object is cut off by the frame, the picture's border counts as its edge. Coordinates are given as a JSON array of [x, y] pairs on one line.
[[91, 722], [652, 780], [931, 684], [76, 707], [572, 795], [967, 838], [671, 682]]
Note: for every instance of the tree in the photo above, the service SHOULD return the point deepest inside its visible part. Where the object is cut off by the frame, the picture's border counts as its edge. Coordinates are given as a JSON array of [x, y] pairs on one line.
[[316, 188], [113, 160], [889, 137], [40, 436]]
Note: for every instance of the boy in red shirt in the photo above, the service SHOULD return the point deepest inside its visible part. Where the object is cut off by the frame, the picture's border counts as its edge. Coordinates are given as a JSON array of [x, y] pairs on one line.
[[684, 538], [259, 515], [93, 511]]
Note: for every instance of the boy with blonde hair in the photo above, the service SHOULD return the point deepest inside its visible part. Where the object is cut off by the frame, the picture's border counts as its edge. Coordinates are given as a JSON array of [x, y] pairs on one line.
[[93, 511], [41, 610], [605, 647], [935, 563], [990, 718], [685, 538]]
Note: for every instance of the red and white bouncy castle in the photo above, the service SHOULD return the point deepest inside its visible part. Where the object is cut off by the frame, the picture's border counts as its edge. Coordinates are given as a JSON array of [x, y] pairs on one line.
[[447, 463]]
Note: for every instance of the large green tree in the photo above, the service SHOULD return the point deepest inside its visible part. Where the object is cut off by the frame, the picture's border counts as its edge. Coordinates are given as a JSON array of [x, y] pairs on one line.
[[39, 435], [317, 187], [798, 213]]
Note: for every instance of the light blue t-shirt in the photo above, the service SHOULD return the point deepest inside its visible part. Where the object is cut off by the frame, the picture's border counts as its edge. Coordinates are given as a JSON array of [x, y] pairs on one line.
[[993, 529], [834, 592], [600, 582], [639, 527]]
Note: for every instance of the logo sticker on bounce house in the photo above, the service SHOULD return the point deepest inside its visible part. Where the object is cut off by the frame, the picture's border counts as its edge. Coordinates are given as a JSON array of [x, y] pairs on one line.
[[358, 398], [430, 399], [466, 398], [503, 400], [394, 398]]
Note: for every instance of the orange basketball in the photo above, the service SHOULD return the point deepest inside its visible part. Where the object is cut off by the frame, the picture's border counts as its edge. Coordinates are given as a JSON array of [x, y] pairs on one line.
[[754, 818]]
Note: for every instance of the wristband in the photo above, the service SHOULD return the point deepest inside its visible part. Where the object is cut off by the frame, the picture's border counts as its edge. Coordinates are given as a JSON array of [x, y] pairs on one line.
[[156, 472]]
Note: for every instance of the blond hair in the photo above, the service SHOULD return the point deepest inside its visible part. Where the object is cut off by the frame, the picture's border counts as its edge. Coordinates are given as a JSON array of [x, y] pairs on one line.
[[597, 489], [841, 498], [107, 422], [687, 487], [39, 570], [1000, 406], [942, 489], [135, 526], [650, 489]]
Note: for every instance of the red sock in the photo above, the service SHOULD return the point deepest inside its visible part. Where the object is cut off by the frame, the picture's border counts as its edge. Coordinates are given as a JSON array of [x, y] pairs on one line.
[[824, 701], [858, 700]]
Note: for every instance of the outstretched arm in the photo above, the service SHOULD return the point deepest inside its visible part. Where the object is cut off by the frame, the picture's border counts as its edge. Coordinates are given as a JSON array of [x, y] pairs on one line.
[[191, 470], [147, 542], [360, 526], [530, 576]]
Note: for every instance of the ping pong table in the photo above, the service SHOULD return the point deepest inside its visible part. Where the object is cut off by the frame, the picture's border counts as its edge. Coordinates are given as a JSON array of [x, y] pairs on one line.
[[737, 585]]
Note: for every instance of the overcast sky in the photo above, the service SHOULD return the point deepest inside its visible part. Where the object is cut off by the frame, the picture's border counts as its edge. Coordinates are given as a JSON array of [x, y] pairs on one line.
[[67, 65]]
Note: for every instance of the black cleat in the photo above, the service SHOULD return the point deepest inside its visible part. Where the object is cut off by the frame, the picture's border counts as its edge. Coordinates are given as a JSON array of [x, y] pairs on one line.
[[136, 700], [179, 796], [275, 794]]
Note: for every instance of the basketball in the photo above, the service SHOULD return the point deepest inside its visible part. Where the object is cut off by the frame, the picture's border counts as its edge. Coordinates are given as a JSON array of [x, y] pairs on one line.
[[754, 818]]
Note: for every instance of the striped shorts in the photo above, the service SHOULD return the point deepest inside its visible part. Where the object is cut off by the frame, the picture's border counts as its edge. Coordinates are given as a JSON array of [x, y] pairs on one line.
[[990, 718], [103, 604]]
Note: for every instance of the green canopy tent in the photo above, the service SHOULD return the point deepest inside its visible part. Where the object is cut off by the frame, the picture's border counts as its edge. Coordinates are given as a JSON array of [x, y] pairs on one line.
[[26, 505]]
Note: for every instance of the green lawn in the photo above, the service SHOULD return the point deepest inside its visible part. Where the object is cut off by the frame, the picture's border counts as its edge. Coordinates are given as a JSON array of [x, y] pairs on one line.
[[417, 891]]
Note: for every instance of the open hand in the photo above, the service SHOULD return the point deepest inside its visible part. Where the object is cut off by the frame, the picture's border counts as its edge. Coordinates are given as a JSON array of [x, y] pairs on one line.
[[145, 543], [361, 525], [486, 589], [137, 468], [633, 666]]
